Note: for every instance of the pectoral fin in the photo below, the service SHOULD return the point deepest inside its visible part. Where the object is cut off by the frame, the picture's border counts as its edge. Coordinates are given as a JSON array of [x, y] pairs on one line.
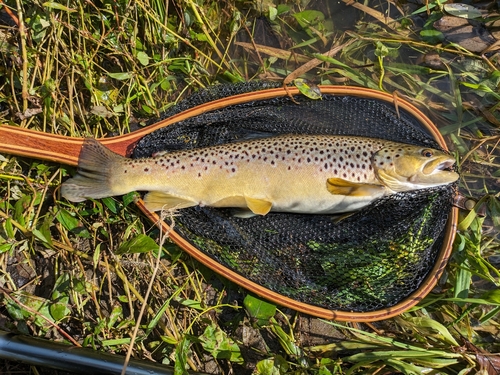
[[339, 186], [157, 200], [258, 206], [390, 181]]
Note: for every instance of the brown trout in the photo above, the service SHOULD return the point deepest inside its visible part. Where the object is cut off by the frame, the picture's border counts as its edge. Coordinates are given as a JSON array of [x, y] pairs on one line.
[[317, 174]]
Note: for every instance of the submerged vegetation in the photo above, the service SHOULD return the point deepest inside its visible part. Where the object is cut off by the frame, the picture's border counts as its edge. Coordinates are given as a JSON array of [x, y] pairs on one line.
[[80, 273]]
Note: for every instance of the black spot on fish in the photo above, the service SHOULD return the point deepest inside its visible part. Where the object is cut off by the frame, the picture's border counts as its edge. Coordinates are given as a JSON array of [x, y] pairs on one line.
[[146, 169]]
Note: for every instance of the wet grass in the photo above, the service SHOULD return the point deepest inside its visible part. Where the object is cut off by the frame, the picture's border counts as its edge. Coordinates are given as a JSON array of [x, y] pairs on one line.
[[80, 273]]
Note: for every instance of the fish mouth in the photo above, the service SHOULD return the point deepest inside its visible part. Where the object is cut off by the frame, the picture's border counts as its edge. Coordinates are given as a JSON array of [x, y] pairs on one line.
[[444, 164]]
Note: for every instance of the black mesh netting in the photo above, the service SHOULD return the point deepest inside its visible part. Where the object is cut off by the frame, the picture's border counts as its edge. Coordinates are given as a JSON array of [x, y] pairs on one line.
[[367, 261]]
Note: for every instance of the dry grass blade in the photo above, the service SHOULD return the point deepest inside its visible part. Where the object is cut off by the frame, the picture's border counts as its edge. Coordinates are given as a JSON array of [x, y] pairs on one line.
[[314, 63], [275, 52]]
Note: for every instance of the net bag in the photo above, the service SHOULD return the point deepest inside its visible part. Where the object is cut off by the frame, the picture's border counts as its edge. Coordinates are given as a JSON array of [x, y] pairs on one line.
[[368, 266]]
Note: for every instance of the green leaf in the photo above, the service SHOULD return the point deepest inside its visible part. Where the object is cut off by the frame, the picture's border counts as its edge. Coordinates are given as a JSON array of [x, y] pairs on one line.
[[110, 203], [272, 366], [273, 12], [115, 315], [59, 310], [67, 220], [20, 209], [494, 210], [309, 17], [139, 244], [129, 198], [42, 236], [116, 342], [61, 287], [181, 356], [381, 50], [311, 91], [121, 76], [6, 247], [9, 228], [143, 58], [147, 109], [462, 10], [38, 304], [492, 295], [258, 309], [54, 5], [432, 35], [215, 341], [434, 327]]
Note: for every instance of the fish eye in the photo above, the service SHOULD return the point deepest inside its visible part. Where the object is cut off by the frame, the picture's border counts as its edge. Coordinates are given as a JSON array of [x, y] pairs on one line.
[[427, 153]]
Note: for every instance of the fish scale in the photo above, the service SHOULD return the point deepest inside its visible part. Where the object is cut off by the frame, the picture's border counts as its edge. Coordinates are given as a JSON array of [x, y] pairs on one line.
[[288, 173]]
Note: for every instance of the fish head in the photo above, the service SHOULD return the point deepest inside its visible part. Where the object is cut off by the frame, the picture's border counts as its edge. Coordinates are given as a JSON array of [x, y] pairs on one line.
[[406, 167]]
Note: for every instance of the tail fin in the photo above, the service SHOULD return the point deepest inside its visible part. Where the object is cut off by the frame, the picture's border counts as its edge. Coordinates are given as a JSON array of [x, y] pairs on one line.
[[93, 179]]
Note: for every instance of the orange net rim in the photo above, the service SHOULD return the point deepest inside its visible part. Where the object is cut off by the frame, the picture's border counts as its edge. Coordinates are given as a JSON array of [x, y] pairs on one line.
[[427, 285]]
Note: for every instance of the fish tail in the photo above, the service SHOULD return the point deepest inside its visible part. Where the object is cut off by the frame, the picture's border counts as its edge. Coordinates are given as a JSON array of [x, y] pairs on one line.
[[95, 167]]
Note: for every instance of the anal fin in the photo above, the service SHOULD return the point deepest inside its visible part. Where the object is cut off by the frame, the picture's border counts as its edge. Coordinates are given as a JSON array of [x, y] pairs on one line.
[[339, 186], [158, 200]]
